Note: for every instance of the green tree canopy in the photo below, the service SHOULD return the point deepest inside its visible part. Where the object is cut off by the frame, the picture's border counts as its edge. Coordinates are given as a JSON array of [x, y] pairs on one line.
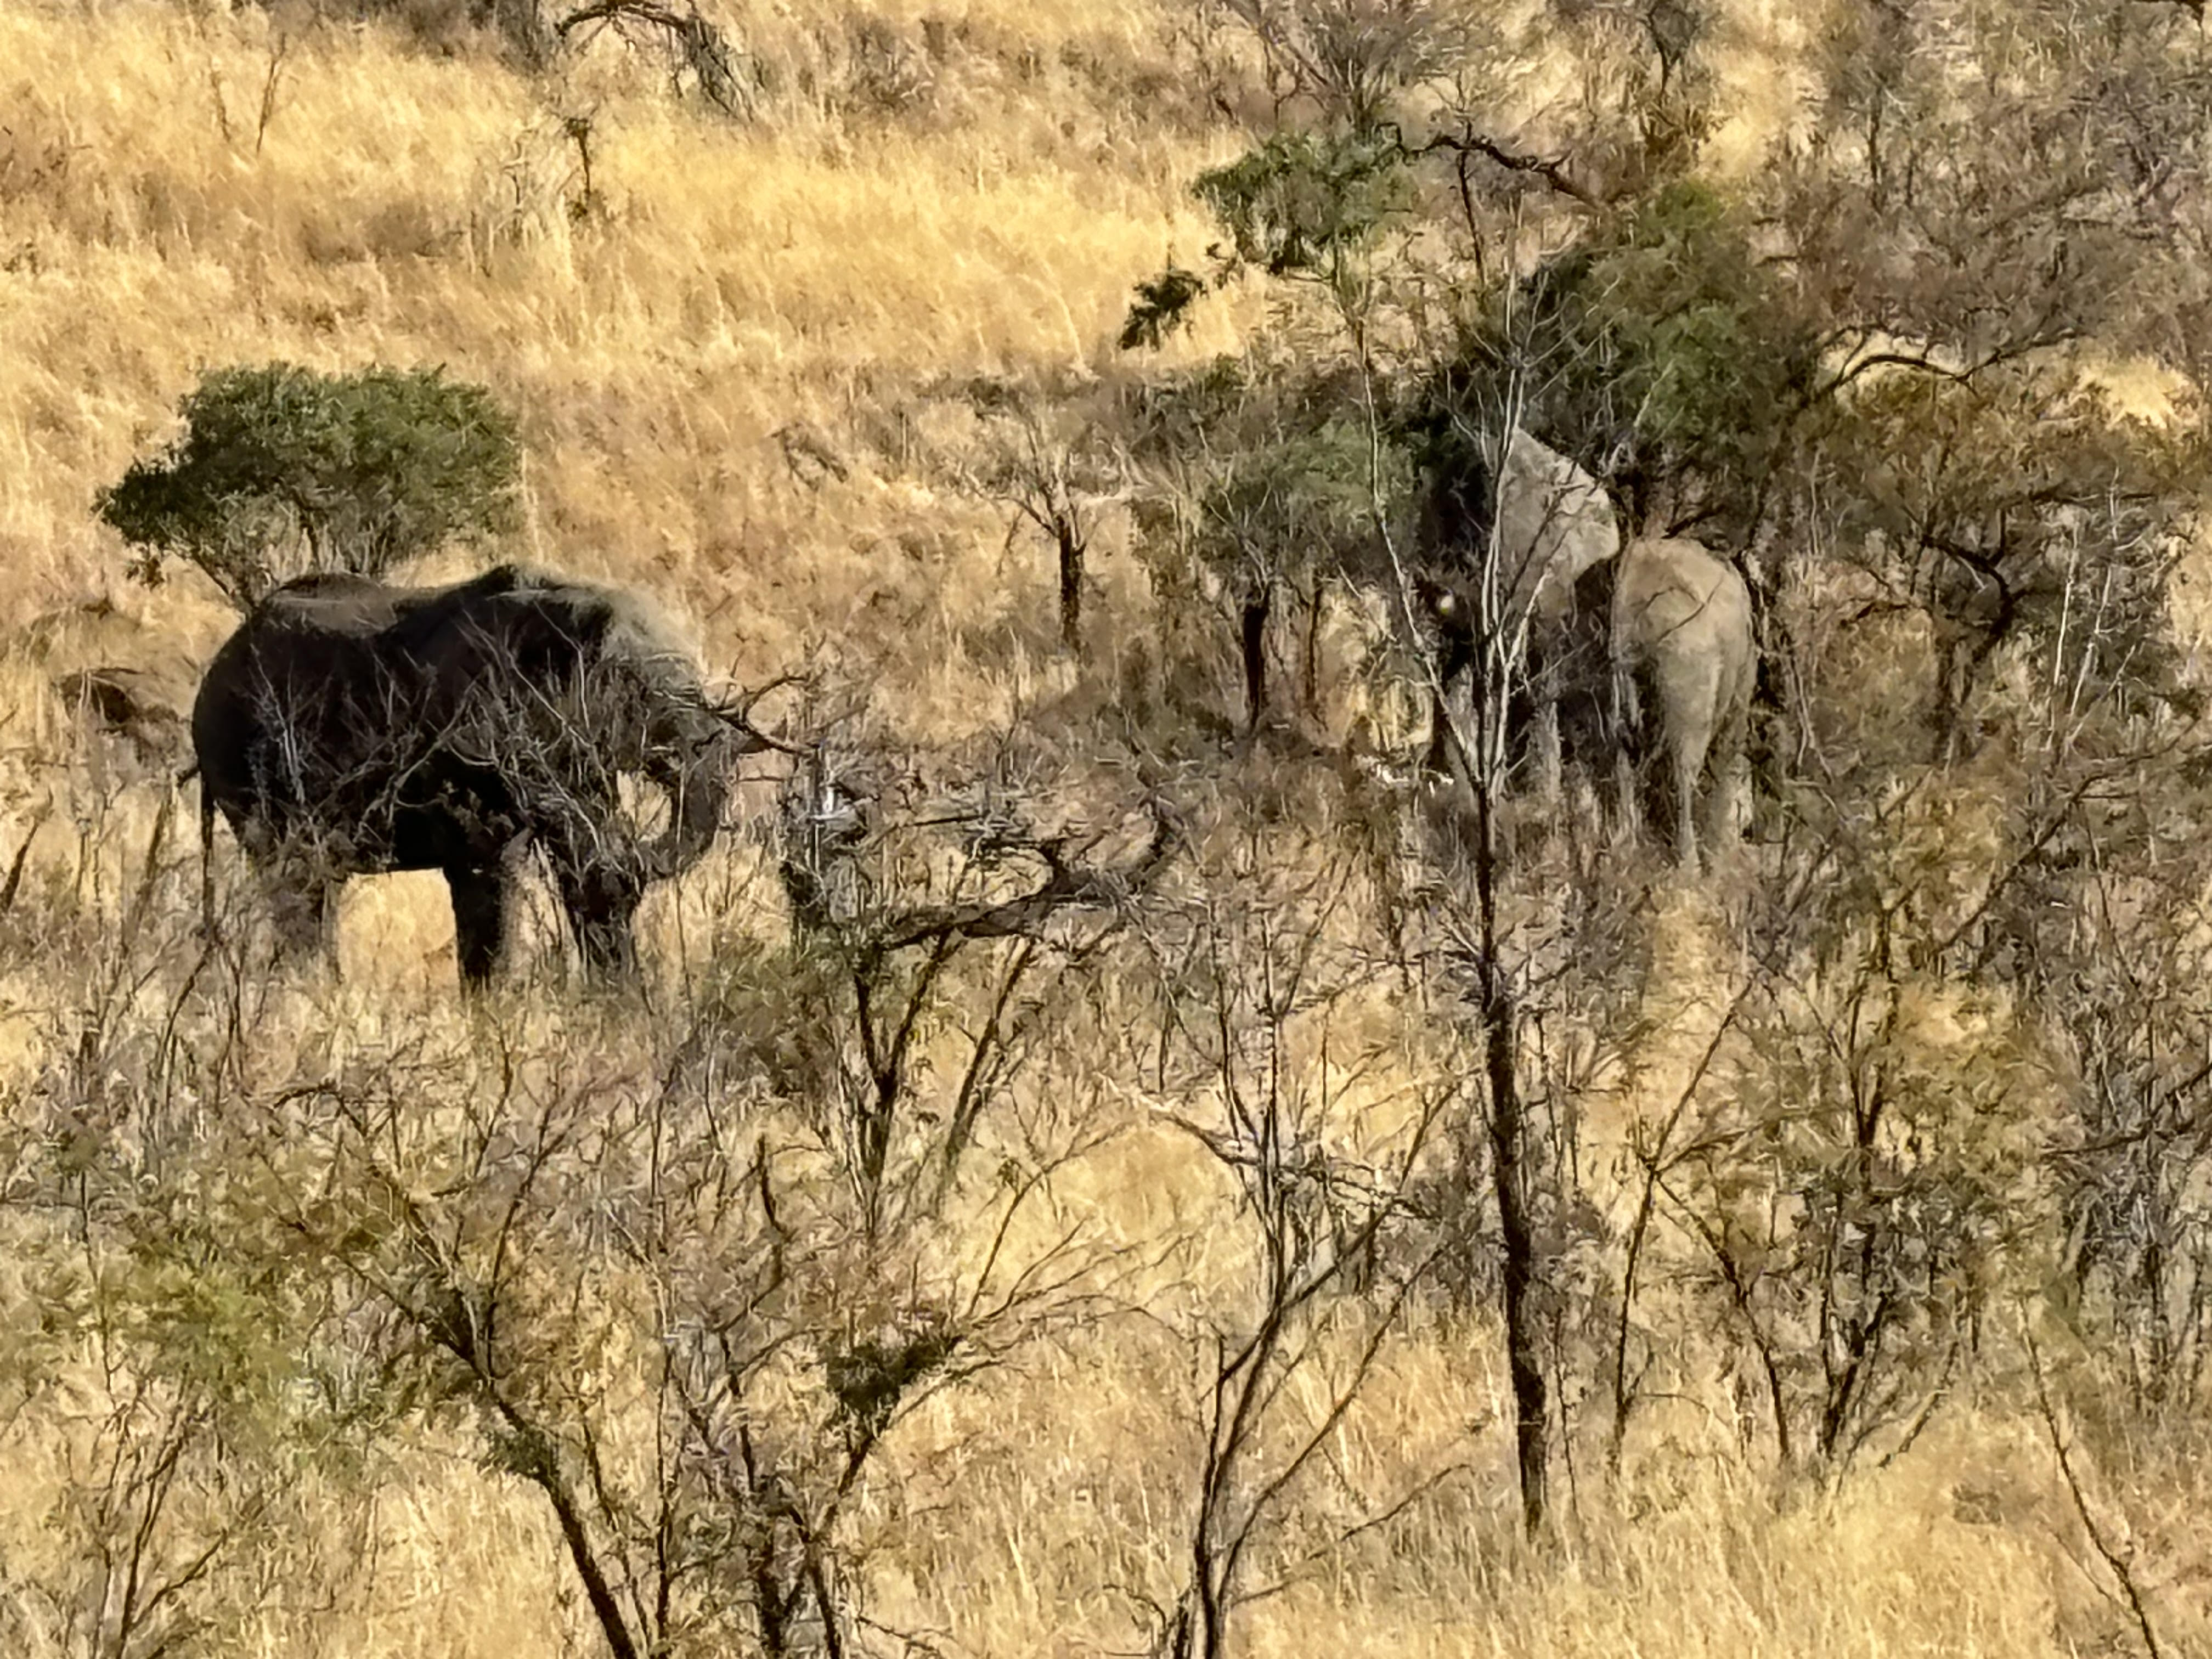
[[282, 470], [1661, 342]]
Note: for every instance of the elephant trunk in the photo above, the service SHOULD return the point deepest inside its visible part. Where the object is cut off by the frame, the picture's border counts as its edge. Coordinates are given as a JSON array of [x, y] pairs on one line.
[[697, 792]]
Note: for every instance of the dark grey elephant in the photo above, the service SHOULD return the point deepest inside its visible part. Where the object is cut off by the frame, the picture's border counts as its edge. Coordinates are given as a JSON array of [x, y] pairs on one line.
[[1685, 664], [1508, 541], [350, 728]]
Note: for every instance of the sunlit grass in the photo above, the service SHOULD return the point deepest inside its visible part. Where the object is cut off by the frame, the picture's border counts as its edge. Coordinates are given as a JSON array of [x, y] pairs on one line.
[[848, 268]]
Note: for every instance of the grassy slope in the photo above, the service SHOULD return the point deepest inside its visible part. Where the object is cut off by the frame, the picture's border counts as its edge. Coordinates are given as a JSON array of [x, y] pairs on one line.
[[728, 281], [829, 267]]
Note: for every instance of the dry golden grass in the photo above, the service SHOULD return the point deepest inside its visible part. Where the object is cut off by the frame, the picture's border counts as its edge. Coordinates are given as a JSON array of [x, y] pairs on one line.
[[724, 281]]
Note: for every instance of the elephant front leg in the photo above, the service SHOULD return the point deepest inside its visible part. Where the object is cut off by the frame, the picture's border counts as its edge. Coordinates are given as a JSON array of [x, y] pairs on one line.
[[302, 911], [602, 907], [608, 944], [606, 936], [1726, 803], [483, 921]]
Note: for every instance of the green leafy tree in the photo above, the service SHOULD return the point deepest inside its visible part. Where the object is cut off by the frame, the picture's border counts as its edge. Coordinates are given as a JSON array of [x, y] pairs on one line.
[[1665, 333], [1309, 207], [282, 470], [1267, 485]]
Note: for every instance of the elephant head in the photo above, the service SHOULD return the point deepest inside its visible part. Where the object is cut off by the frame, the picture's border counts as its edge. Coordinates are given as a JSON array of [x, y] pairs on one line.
[[641, 712], [349, 727], [1510, 531], [1521, 521]]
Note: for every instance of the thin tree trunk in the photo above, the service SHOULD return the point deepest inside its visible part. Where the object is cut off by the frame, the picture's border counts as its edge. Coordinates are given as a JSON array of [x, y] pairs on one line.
[[1517, 1240], [542, 1470], [1508, 1127], [1310, 652], [1070, 587]]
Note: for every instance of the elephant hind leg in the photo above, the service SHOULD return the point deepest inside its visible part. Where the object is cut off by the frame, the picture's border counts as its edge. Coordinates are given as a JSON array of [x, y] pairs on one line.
[[1688, 748], [1725, 805], [1685, 768]]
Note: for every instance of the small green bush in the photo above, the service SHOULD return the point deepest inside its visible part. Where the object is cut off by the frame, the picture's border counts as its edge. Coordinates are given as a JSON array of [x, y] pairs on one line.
[[1301, 204], [1308, 206], [282, 470]]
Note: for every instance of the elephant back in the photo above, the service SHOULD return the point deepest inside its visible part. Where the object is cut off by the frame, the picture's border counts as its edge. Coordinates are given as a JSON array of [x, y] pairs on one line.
[[1671, 589], [564, 658], [1681, 617], [281, 709], [506, 628]]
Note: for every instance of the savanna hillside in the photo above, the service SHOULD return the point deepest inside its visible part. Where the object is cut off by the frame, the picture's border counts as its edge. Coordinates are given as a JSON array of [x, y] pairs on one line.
[[1368, 1216]]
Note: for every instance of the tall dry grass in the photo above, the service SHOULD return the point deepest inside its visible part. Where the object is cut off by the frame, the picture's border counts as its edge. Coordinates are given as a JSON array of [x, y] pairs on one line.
[[977, 210], [722, 283]]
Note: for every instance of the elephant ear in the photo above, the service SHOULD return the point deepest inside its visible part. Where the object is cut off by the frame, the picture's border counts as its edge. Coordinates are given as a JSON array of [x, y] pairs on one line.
[[1554, 522], [666, 731]]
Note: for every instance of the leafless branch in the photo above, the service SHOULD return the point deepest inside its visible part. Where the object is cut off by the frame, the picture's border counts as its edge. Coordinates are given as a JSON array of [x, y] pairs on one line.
[[1468, 142], [1066, 887], [2118, 1559]]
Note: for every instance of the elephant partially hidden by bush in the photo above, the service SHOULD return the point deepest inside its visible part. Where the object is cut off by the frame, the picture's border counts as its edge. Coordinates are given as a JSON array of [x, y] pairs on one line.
[[1510, 539], [1683, 653], [350, 728]]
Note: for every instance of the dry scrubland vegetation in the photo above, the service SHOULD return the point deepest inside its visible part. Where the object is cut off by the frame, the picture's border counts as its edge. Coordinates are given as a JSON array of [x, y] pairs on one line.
[[1134, 1280]]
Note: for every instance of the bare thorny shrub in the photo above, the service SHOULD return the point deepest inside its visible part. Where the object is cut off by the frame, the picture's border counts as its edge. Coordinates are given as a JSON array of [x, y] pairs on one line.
[[662, 1310], [945, 939], [150, 1397], [1047, 464], [162, 1384], [1274, 1054], [1845, 1192], [2130, 1538], [2133, 1168], [505, 1230], [657, 1282], [2099, 922]]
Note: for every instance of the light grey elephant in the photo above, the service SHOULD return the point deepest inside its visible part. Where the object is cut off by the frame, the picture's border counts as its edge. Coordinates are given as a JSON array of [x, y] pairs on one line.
[[1554, 522], [349, 728], [1515, 555], [1684, 659]]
